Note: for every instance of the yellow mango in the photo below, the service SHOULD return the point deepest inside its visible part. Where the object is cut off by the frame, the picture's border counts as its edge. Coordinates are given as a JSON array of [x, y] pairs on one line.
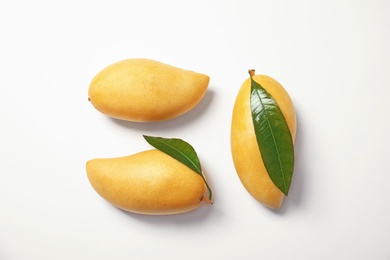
[[244, 148], [144, 90], [149, 182]]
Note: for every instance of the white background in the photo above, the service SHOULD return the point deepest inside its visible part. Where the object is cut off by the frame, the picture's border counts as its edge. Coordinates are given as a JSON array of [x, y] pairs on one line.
[[333, 57]]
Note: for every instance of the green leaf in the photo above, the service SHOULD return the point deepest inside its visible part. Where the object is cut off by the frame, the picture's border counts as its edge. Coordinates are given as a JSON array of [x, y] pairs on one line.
[[181, 151], [273, 136]]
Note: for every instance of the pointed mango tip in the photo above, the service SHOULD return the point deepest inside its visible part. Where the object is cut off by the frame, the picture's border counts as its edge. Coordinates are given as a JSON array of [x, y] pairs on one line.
[[209, 201]]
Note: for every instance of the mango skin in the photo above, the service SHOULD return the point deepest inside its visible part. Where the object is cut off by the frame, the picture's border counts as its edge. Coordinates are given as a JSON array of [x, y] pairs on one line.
[[245, 151], [150, 182], [144, 90]]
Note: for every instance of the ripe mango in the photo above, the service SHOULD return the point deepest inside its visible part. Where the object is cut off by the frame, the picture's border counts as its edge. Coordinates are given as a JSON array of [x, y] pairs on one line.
[[149, 182], [244, 148], [144, 90]]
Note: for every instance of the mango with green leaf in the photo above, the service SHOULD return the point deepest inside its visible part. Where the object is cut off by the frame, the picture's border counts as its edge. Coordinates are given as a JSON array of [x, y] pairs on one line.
[[263, 131], [162, 181], [144, 90]]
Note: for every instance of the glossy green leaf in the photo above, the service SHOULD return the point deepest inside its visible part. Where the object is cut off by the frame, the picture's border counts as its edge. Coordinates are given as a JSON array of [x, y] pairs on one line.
[[181, 151], [273, 137]]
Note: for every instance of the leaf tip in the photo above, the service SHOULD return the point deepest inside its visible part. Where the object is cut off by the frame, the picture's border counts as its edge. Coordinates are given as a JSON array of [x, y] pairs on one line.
[[285, 189]]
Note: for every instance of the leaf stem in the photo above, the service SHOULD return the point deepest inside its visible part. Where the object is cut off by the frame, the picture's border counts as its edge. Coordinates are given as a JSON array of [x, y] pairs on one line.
[[208, 189]]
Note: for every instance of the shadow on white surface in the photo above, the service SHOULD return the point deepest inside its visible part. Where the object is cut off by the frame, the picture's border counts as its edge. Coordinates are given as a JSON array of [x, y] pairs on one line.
[[197, 216], [175, 123]]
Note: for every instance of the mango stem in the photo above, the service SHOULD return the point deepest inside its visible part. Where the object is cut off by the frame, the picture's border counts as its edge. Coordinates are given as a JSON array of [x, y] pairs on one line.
[[251, 73]]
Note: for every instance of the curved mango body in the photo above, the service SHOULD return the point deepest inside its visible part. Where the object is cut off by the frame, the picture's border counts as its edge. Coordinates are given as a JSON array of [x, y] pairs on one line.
[[150, 182], [245, 151], [143, 90]]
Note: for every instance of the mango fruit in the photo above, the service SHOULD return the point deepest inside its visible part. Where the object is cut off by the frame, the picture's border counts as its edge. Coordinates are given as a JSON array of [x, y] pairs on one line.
[[149, 182], [244, 148], [144, 90]]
